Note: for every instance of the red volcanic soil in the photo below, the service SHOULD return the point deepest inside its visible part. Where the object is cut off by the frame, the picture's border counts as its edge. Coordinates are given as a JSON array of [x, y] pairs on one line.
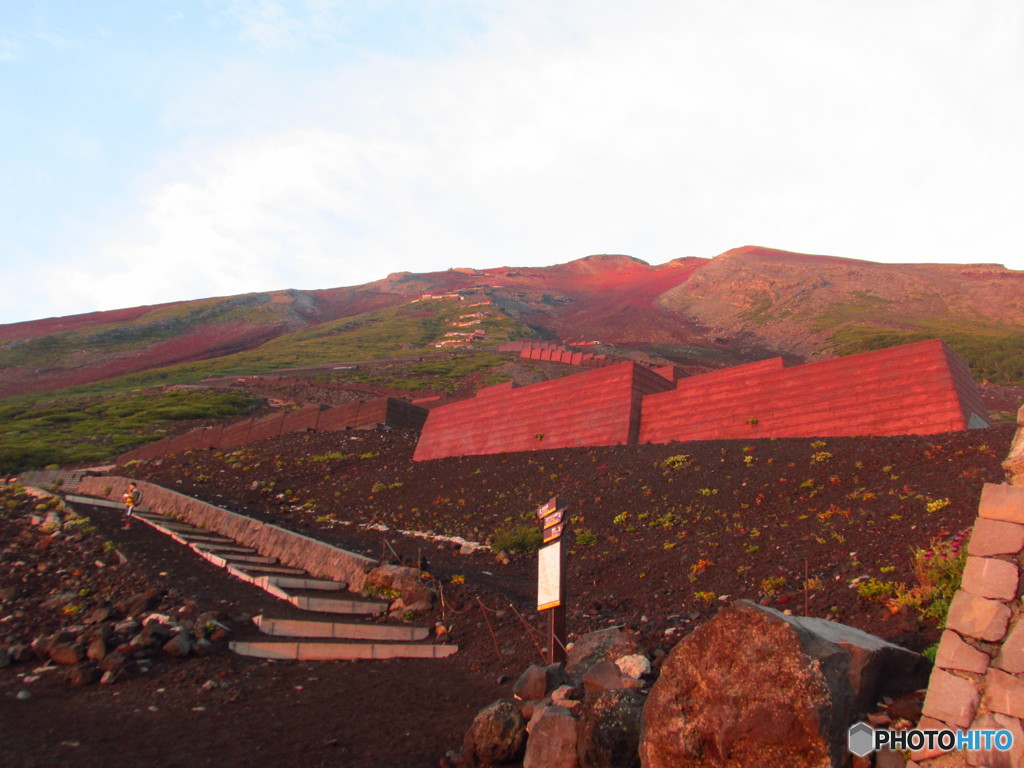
[[760, 253], [662, 536], [32, 328], [202, 343], [607, 297]]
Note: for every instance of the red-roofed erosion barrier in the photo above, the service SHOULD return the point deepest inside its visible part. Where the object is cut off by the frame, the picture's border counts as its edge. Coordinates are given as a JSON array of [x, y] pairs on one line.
[[920, 388], [598, 407], [389, 411]]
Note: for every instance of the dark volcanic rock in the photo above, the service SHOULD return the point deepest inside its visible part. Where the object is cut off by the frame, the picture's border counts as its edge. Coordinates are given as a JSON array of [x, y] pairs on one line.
[[66, 654], [497, 735], [179, 646], [609, 729], [83, 674], [138, 604]]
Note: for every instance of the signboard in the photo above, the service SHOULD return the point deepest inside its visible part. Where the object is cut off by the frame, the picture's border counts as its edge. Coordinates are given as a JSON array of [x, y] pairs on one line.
[[549, 576], [554, 532], [553, 519], [546, 509]]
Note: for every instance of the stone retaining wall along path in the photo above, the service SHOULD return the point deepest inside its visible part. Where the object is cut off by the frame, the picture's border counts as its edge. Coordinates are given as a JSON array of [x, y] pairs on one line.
[[978, 679], [316, 557]]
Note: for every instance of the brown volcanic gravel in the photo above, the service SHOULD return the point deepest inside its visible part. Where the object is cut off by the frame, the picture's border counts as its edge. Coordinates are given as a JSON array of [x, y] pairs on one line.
[[728, 521]]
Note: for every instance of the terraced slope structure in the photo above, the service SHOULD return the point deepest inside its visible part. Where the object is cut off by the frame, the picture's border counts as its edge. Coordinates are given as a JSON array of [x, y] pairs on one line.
[[915, 389], [387, 411], [599, 407], [921, 388]]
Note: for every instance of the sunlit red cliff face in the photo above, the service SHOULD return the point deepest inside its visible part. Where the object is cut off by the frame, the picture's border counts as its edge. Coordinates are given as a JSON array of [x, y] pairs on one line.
[[794, 302], [610, 298], [748, 301]]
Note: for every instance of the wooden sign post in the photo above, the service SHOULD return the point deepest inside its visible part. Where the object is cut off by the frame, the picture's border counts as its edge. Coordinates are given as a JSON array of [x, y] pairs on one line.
[[550, 577]]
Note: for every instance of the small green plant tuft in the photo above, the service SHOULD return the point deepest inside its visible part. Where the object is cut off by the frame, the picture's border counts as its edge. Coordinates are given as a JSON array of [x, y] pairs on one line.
[[586, 537], [675, 462], [522, 538]]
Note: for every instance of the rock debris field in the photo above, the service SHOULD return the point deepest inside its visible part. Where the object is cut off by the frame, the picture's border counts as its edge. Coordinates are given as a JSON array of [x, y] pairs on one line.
[[113, 642]]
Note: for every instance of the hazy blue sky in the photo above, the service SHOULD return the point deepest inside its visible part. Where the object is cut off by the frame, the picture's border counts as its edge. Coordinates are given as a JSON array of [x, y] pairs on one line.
[[161, 150]]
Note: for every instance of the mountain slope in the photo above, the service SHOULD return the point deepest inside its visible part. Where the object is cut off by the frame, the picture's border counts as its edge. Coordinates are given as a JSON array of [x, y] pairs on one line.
[[750, 302]]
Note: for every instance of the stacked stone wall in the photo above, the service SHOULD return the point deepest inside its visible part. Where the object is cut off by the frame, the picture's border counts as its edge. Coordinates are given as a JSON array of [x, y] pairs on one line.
[[978, 679]]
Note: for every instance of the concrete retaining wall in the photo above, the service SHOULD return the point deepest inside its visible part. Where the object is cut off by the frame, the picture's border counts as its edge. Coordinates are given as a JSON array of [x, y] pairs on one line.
[[316, 557]]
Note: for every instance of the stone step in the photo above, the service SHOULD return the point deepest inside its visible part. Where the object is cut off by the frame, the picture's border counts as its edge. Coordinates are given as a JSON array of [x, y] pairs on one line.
[[337, 605], [295, 582], [172, 525], [339, 629], [181, 533], [200, 547], [92, 501], [253, 569], [316, 603], [323, 650], [192, 538], [234, 559]]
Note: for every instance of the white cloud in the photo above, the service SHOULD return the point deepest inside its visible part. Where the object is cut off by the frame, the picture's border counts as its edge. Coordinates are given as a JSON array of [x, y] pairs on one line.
[[550, 131]]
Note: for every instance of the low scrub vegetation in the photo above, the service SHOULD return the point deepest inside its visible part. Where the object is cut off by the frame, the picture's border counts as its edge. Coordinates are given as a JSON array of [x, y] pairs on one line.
[[36, 433], [995, 355]]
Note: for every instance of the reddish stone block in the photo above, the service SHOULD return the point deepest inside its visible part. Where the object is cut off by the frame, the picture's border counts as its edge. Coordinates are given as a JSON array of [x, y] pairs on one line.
[[951, 699], [1011, 655], [988, 577], [978, 617], [928, 724], [954, 653], [995, 537], [993, 758], [1002, 502], [1004, 693]]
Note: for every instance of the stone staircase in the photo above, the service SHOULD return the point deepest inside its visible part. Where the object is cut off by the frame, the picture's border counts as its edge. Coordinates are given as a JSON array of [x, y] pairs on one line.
[[342, 626]]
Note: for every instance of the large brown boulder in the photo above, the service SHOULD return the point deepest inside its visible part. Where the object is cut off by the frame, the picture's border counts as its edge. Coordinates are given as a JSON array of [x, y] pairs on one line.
[[754, 688], [552, 742]]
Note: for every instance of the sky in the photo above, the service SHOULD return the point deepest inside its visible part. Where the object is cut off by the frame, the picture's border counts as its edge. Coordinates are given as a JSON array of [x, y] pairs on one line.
[[167, 150]]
